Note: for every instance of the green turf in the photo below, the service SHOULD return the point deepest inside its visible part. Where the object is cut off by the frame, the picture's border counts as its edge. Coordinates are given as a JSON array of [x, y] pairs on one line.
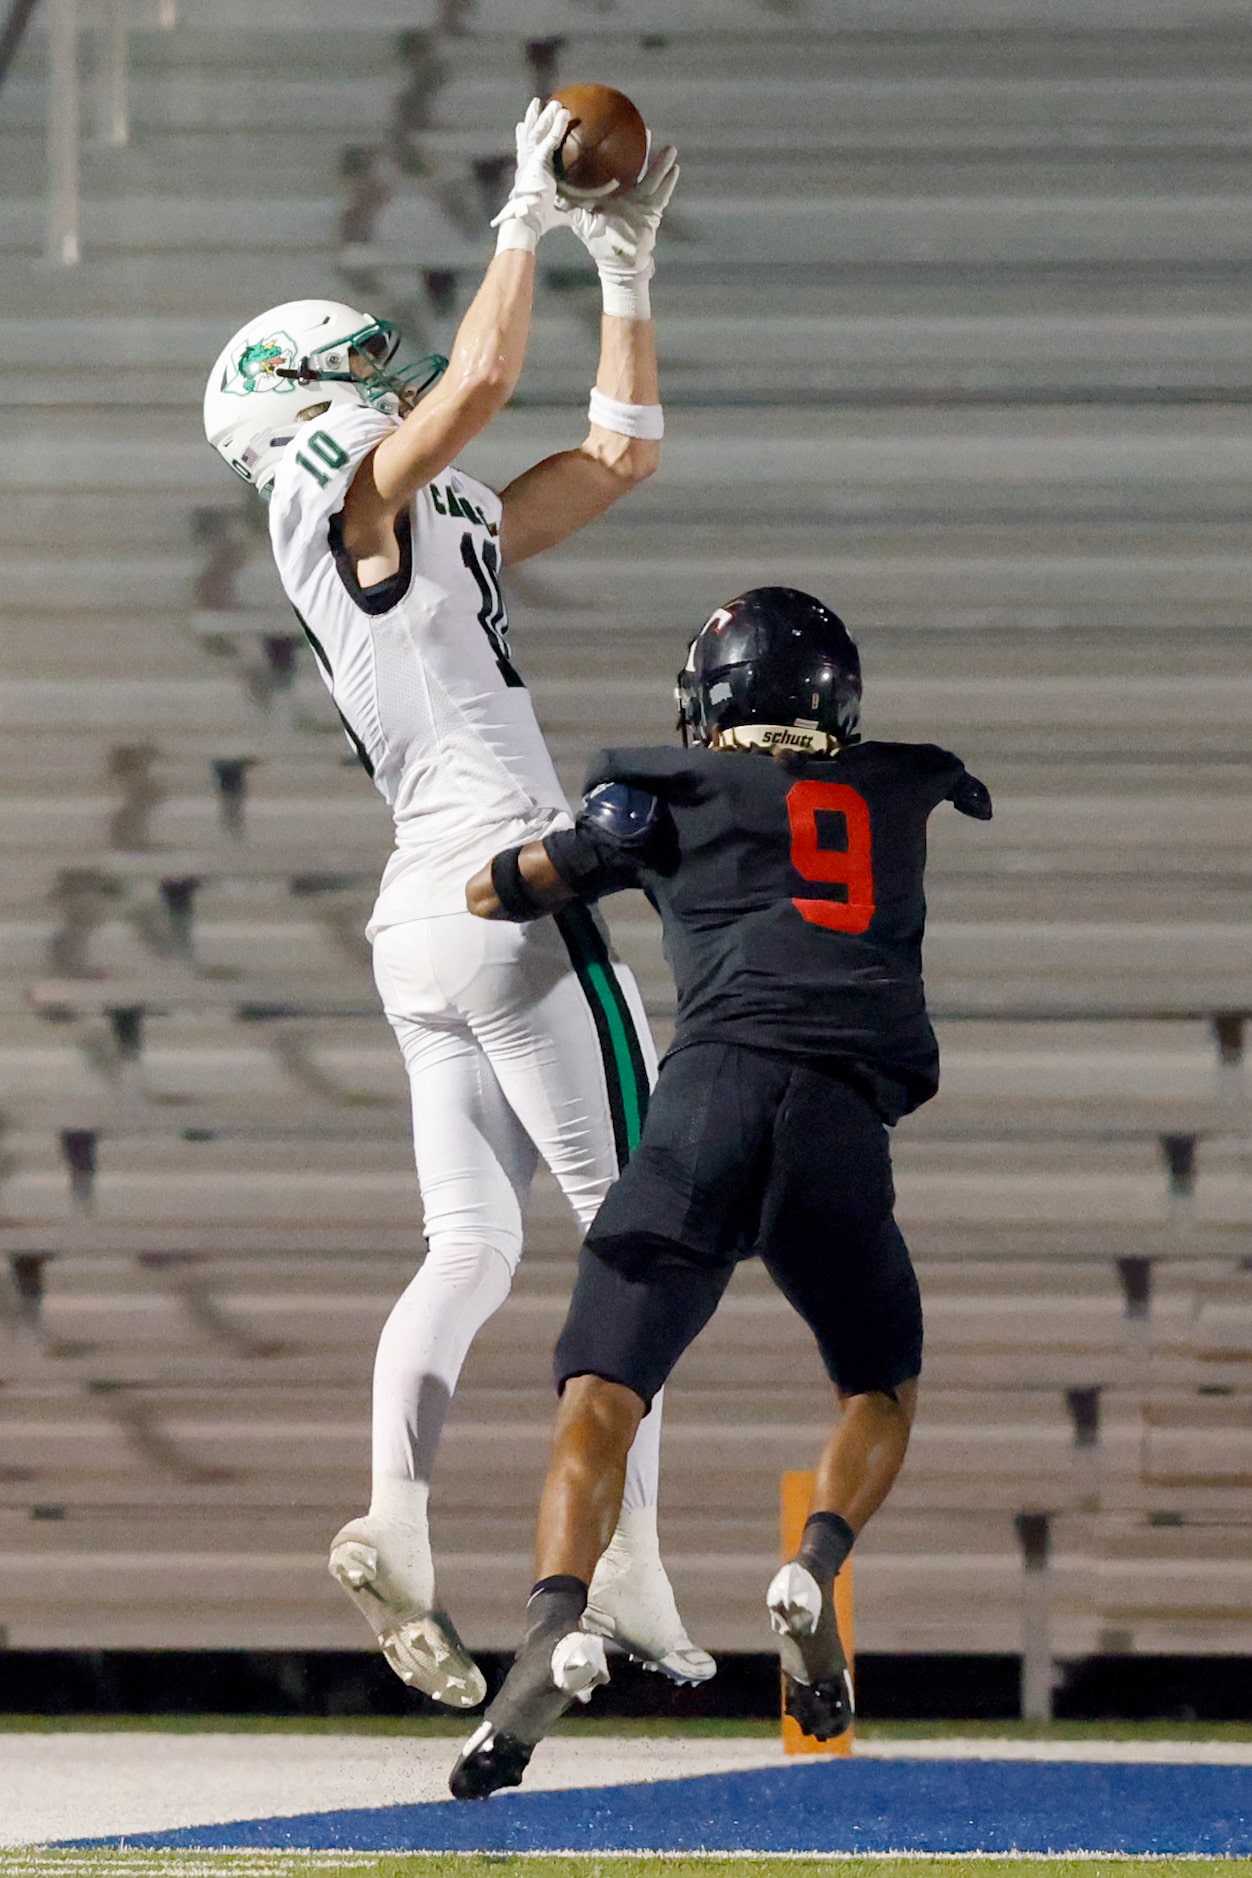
[[593, 1865]]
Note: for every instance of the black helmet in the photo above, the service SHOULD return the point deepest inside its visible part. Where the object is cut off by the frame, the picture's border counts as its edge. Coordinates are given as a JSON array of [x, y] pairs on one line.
[[774, 657]]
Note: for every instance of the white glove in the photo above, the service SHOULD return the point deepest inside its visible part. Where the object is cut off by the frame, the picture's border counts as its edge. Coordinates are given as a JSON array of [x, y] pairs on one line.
[[620, 233], [531, 209]]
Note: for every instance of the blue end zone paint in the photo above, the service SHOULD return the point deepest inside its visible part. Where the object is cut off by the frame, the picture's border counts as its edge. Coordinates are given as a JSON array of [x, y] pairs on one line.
[[850, 1806]]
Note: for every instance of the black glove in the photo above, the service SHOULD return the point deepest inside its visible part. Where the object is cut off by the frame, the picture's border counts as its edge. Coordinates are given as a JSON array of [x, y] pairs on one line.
[[617, 826], [972, 797]]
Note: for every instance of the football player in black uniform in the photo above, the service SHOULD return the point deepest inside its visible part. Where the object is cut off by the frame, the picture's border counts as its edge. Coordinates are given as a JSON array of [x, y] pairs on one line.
[[785, 858]]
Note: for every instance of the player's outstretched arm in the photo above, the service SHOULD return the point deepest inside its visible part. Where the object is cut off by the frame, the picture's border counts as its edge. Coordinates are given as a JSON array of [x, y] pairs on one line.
[[526, 879], [623, 443], [619, 831], [487, 354]]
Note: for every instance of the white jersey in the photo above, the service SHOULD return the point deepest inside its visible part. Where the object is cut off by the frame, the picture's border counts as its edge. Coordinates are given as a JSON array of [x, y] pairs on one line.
[[418, 666]]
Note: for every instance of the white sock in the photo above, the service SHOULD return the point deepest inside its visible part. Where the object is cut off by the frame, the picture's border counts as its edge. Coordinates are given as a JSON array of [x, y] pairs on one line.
[[398, 1524], [400, 1504], [643, 1463], [420, 1352], [634, 1538]]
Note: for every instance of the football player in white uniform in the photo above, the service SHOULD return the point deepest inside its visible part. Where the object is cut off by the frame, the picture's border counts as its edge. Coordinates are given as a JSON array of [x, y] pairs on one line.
[[518, 1041]]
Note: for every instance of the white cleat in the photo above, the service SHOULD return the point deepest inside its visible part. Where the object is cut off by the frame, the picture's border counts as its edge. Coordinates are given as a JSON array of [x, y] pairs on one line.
[[631, 1605], [794, 1602], [420, 1643], [579, 1665]]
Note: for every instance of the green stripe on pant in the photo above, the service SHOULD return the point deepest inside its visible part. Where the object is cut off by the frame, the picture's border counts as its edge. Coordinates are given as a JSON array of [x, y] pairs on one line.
[[625, 1073]]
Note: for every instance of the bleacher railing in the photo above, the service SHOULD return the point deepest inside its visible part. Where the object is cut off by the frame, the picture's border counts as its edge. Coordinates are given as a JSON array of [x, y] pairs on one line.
[[62, 243]]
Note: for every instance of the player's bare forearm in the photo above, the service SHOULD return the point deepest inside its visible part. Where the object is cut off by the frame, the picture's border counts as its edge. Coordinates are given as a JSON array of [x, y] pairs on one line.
[[542, 879], [627, 368], [483, 370], [564, 492], [560, 495]]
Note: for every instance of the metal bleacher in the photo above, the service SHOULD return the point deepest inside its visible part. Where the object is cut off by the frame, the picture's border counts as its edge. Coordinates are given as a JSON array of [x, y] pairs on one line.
[[951, 309]]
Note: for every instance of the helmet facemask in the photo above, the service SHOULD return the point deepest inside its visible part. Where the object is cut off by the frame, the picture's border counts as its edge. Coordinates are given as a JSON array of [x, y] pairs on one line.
[[362, 360]]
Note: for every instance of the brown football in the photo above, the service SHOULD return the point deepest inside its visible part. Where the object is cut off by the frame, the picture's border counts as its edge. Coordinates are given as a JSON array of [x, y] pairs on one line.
[[607, 143]]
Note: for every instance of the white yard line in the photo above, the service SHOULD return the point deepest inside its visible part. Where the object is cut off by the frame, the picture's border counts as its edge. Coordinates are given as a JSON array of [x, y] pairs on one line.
[[76, 1786], [978, 1748], [226, 1864], [63, 1786]]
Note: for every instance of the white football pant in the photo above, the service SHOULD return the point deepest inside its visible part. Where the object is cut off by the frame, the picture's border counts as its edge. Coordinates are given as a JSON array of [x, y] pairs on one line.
[[519, 1041]]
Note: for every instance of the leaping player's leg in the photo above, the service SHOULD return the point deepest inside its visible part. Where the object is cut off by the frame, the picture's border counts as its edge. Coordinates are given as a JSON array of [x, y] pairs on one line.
[[628, 1324], [831, 1245], [474, 1165], [569, 1040]]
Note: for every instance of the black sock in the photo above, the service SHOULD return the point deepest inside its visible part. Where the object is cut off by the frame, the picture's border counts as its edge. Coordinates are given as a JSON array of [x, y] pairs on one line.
[[826, 1543], [555, 1604]]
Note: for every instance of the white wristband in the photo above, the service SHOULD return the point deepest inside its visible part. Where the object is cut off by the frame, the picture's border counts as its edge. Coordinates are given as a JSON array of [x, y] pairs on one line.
[[516, 233], [629, 420], [626, 296]]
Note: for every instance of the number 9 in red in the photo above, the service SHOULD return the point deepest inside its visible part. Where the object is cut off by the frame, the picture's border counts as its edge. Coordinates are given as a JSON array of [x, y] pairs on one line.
[[851, 867]]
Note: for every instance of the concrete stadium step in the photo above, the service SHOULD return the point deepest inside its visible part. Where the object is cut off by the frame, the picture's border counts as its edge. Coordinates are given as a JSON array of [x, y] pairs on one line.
[[862, 466], [1003, 232], [771, 354], [230, 99], [961, 1600], [288, 834], [177, 1331], [176, 223], [1040, 712], [163, 162], [873, 19], [1048, 833], [145, 284], [994, 967], [294, 1090], [225, 1463], [146, 1179], [1166, 1446], [833, 91]]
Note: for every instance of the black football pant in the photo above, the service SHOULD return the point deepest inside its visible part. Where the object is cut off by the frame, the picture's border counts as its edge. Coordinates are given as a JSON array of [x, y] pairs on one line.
[[746, 1153]]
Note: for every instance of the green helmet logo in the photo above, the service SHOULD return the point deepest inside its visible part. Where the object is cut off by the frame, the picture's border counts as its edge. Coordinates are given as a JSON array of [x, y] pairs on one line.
[[257, 365]]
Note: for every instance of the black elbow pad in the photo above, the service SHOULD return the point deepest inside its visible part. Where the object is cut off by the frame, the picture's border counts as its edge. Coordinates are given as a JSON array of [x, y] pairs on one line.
[[516, 899]]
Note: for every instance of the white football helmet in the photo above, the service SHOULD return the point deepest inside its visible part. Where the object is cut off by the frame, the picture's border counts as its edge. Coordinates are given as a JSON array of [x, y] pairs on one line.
[[293, 363]]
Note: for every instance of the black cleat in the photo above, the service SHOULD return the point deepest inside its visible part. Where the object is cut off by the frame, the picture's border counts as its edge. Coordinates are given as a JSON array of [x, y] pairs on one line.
[[557, 1664], [487, 1762], [817, 1685], [823, 1709]]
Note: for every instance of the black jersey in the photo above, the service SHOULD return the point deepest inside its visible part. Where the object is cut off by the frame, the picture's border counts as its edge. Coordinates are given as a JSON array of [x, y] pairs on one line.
[[792, 900]]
